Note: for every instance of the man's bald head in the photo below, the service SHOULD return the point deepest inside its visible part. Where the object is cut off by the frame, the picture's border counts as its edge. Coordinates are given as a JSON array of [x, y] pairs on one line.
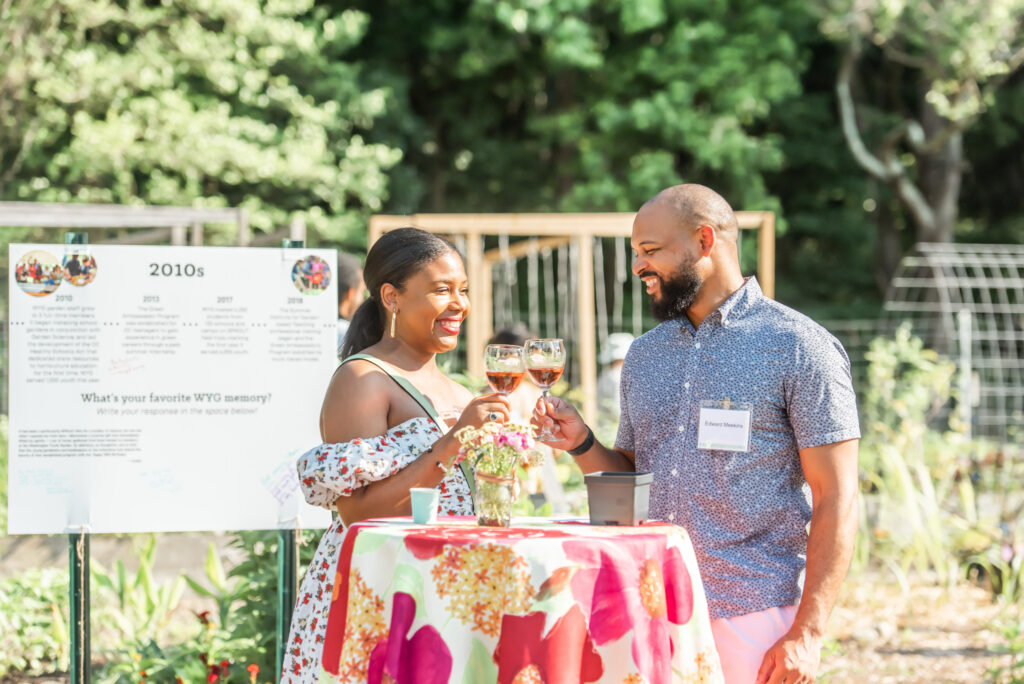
[[695, 205]]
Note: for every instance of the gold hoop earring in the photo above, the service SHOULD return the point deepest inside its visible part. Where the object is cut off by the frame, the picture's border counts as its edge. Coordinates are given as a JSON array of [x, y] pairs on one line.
[[394, 315]]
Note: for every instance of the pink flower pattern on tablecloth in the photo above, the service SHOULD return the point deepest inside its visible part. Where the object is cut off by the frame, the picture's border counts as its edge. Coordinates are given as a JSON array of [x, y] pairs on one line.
[[332, 470], [634, 583], [420, 658]]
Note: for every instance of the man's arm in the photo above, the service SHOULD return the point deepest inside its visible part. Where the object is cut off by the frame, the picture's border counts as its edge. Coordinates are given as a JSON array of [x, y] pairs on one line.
[[564, 420], [831, 472]]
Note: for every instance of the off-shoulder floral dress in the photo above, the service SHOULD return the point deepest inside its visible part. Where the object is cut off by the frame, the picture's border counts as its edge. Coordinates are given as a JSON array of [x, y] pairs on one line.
[[333, 470]]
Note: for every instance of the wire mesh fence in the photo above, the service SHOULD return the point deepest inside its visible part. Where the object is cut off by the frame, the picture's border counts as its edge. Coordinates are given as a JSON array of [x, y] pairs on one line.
[[967, 302]]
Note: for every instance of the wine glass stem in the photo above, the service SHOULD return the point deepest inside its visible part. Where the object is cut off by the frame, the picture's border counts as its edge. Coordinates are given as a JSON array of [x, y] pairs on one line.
[[545, 433]]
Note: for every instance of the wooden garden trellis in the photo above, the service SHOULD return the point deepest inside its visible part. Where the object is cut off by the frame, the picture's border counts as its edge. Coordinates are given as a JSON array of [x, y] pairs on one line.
[[550, 231]]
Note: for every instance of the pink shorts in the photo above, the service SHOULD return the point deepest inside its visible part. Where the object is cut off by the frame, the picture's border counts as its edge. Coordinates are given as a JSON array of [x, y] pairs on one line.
[[743, 640]]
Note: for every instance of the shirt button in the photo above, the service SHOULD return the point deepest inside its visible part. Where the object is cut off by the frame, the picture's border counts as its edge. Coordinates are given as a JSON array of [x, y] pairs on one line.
[[682, 428], [697, 346], [686, 385]]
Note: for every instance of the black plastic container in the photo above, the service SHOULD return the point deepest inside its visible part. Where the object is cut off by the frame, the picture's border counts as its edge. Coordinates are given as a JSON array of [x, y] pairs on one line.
[[618, 498]]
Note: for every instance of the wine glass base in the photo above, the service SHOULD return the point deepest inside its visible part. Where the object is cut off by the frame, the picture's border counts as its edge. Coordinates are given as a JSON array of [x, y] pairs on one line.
[[545, 436]]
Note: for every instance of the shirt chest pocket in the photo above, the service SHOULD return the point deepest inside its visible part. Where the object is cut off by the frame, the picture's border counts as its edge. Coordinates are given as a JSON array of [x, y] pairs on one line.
[[767, 416]]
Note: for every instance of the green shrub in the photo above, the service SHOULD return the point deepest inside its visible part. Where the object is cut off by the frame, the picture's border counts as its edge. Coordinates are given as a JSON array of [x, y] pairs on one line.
[[255, 615], [34, 622], [921, 485], [1013, 673], [239, 633]]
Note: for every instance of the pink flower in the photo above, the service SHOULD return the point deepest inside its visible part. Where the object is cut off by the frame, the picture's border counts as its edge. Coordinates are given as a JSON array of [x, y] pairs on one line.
[[637, 584], [423, 658]]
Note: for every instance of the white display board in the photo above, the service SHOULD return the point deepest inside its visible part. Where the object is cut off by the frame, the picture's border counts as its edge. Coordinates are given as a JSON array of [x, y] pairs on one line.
[[165, 388]]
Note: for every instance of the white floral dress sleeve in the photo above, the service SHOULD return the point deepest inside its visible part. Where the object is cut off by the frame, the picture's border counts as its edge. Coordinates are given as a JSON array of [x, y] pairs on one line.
[[329, 471]]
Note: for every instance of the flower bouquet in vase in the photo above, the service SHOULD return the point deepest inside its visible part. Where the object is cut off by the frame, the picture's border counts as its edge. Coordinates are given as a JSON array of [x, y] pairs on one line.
[[495, 451]]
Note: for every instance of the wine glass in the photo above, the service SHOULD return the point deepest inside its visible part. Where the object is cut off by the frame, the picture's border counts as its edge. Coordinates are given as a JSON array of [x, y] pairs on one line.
[[545, 360], [504, 365]]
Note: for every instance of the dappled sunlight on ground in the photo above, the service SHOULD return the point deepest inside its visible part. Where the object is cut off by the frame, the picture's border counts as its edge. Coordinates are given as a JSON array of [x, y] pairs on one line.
[[931, 634]]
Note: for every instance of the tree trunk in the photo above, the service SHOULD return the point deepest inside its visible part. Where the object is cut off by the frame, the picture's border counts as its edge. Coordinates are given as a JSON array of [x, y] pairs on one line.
[[565, 88], [941, 173], [439, 176], [889, 250]]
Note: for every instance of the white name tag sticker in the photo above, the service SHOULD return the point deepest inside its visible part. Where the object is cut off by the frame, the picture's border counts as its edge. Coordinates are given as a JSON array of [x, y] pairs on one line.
[[724, 426]]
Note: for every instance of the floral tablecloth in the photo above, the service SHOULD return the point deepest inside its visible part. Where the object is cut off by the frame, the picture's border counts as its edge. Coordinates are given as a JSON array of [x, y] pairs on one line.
[[536, 602]]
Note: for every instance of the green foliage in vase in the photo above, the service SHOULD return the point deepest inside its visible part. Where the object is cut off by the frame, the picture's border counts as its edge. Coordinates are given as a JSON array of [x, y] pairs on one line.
[[499, 448]]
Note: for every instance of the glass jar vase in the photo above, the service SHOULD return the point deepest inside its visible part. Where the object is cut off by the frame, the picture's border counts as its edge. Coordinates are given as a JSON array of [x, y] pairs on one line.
[[493, 499]]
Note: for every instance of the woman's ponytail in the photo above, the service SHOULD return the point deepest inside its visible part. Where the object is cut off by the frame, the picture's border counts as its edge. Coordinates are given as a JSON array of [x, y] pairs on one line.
[[365, 329]]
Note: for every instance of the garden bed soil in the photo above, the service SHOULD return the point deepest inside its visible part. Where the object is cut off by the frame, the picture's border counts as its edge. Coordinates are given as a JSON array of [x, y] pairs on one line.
[[929, 634]]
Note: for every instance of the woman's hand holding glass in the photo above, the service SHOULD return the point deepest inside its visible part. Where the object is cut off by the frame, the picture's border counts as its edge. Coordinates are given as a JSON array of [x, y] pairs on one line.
[[486, 407]]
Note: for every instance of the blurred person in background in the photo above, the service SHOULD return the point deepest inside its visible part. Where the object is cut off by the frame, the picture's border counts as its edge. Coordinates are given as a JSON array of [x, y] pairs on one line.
[[525, 397], [610, 379], [350, 292]]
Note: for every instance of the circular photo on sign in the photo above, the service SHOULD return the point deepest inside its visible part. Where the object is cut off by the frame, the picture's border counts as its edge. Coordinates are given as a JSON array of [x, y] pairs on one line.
[[79, 268], [311, 275], [38, 273]]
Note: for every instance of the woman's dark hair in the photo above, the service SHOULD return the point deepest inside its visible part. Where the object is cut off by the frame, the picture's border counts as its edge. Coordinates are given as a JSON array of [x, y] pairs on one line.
[[393, 259]]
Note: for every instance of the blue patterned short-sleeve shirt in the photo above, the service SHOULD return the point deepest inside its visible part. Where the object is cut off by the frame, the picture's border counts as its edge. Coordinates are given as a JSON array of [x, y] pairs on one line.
[[747, 512]]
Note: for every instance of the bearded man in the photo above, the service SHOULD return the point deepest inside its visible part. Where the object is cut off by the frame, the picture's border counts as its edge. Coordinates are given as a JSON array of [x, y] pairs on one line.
[[745, 412]]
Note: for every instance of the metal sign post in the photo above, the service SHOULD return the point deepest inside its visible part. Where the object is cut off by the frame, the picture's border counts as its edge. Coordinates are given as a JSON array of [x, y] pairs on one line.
[[287, 562], [78, 574], [78, 551]]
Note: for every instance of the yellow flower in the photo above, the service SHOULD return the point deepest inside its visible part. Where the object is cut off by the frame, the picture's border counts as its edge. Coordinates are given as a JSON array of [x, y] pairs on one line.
[[483, 583]]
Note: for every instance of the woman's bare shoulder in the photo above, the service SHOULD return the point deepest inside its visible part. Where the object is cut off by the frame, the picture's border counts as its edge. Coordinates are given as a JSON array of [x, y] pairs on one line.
[[358, 380]]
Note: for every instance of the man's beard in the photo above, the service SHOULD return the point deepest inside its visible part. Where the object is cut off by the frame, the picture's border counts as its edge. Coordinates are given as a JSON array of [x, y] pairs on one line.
[[676, 294]]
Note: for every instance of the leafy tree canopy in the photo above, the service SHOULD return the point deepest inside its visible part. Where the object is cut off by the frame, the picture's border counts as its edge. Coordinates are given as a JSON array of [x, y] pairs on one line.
[[248, 103]]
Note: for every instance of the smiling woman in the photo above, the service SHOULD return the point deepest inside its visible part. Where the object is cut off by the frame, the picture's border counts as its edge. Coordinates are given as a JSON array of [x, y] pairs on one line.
[[380, 421]]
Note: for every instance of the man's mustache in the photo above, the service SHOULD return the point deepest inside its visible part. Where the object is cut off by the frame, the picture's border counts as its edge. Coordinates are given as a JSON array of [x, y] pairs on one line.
[[644, 274]]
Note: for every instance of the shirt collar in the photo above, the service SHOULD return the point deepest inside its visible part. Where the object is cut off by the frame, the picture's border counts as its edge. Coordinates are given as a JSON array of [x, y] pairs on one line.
[[740, 301], [736, 305]]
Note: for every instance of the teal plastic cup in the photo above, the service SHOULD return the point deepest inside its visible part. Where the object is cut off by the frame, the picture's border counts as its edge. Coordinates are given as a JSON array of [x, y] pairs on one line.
[[424, 504]]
